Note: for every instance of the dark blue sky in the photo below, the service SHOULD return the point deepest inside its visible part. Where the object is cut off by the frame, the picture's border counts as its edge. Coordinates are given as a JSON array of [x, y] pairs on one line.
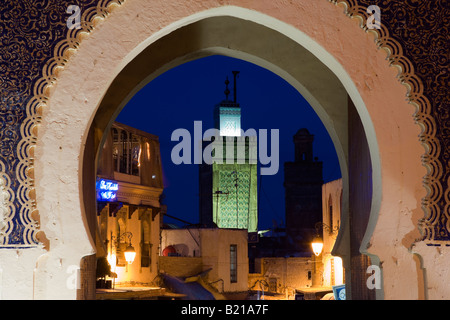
[[189, 93]]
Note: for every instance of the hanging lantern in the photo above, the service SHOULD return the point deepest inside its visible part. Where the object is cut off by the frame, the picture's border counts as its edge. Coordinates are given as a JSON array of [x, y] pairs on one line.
[[317, 245], [130, 254]]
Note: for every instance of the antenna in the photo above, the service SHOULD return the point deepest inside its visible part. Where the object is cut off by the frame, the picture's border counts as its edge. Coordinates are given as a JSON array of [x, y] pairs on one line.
[[235, 73]]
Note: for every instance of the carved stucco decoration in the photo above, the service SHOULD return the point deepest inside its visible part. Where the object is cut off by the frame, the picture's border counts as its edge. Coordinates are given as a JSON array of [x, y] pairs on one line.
[[36, 43], [414, 34]]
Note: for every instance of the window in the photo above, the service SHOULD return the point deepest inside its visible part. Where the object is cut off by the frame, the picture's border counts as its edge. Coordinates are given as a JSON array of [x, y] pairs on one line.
[[126, 152], [233, 263], [145, 241]]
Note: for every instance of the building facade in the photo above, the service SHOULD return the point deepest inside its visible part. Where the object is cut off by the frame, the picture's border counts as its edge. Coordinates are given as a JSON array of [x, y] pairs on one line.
[[281, 276], [333, 269], [129, 186], [309, 276], [188, 252]]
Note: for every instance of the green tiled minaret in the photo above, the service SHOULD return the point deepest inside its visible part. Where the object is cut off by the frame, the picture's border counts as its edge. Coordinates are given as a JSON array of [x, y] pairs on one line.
[[228, 187]]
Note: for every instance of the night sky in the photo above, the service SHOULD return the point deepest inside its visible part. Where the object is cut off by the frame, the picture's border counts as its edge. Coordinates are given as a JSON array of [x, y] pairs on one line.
[[189, 93]]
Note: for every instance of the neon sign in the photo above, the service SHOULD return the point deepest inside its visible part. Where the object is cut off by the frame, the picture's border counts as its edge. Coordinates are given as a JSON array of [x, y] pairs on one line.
[[107, 190]]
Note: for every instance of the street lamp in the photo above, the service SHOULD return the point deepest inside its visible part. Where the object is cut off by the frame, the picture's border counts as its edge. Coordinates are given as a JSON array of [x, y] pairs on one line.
[[129, 253], [317, 245]]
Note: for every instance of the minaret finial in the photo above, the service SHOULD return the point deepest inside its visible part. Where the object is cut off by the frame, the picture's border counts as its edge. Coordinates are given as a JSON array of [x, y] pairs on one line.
[[227, 91]]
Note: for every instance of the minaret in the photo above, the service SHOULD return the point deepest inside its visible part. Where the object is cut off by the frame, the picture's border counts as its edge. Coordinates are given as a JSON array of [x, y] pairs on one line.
[[303, 190], [303, 144], [228, 187]]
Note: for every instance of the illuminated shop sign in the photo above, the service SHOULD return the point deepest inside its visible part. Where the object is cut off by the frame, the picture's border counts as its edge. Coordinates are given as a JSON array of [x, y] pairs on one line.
[[107, 190]]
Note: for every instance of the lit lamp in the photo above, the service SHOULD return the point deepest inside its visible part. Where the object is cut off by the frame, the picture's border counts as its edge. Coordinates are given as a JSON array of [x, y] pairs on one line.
[[130, 254], [317, 245]]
